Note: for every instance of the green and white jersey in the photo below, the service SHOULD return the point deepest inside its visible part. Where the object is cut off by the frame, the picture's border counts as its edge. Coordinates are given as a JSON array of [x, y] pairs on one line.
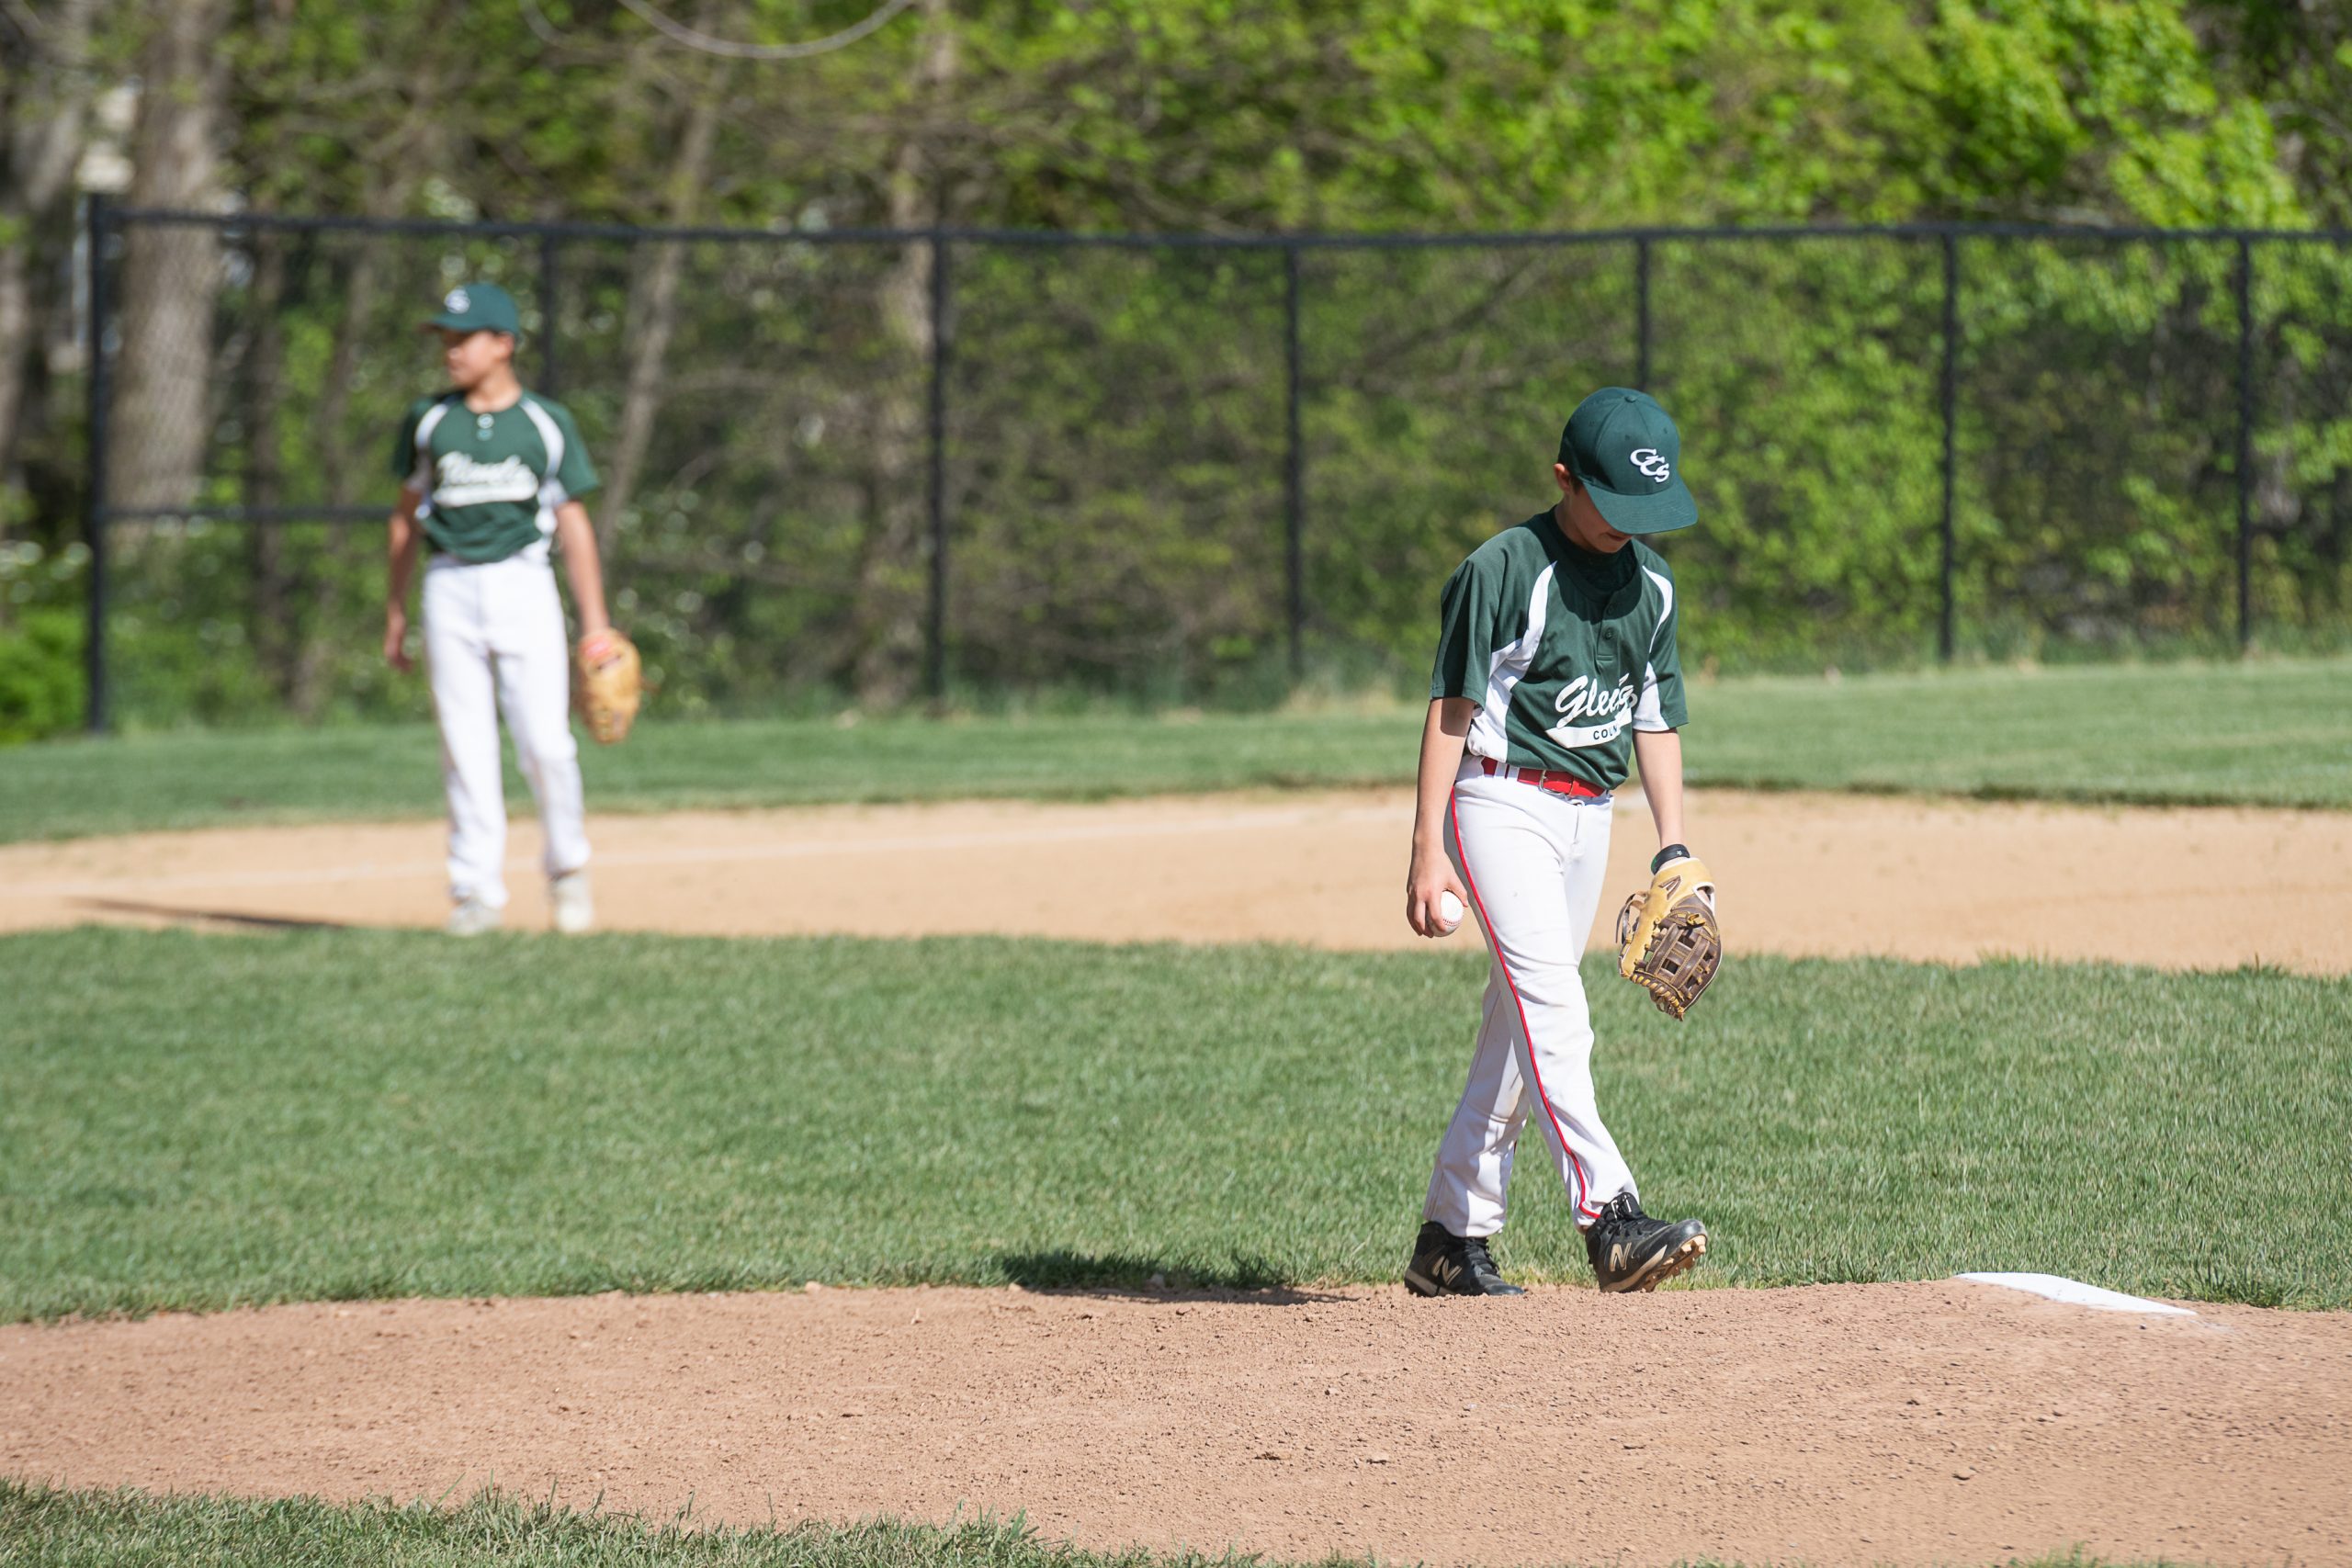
[[490, 482], [1566, 652]]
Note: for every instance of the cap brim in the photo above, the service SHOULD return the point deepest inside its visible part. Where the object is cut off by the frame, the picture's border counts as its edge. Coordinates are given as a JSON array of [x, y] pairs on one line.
[[460, 324], [1662, 511]]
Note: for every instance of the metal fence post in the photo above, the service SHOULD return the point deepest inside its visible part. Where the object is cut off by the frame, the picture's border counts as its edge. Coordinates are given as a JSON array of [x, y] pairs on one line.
[[1642, 313], [935, 619], [1293, 471], [1951, 421], [549, 378], [93, 520], [2245, 443]]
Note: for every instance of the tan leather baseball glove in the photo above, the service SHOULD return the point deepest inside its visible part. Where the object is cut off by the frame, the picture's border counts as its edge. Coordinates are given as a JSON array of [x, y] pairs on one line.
[[1668, 936], [607, 685]]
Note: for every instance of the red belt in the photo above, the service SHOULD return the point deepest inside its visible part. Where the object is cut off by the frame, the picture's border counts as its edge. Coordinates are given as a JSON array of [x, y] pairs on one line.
[[1558, 784]]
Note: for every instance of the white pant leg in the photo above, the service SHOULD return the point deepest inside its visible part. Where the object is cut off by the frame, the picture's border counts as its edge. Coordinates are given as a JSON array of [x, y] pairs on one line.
[[534, 653], [1533, 862], [457, 660], [1471, 1184]]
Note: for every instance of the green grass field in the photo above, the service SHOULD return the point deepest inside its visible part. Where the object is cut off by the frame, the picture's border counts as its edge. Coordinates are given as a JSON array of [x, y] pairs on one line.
[[41, 1528], [199, 1122], [2260, 734], [2276, 733]]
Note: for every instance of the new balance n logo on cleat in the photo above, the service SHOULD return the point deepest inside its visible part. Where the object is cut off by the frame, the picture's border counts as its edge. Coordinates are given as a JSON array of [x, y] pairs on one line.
[[1630, 1251], [1444, 1264]]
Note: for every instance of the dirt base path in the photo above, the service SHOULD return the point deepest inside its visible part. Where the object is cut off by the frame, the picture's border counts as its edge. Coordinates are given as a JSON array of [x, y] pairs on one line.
[[1940, 1422], [1802, 873]]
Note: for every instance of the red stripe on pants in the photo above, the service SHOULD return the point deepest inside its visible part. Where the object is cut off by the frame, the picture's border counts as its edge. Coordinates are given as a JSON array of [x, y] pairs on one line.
[[1535, 1077]]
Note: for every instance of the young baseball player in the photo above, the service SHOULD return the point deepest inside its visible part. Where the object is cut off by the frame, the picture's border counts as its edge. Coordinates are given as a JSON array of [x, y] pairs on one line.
[[492, 476], [1556, 668]]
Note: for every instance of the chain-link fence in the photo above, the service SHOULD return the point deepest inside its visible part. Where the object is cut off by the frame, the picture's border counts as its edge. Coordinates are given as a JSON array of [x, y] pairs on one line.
[[866, 466]]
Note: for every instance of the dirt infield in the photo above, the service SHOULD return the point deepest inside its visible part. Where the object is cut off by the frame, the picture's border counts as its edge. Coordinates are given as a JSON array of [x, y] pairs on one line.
[[1802, 873], [1940, 1422], [1930, 1423]]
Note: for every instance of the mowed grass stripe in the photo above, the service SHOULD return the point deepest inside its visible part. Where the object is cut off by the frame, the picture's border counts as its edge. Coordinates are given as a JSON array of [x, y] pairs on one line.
[[43, 1527], [194, 779], [201, 1121], [2269, 734], [2256, 734]]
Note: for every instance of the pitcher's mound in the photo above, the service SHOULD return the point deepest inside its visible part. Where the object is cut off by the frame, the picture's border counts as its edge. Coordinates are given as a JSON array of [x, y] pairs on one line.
[[1942, 1422]]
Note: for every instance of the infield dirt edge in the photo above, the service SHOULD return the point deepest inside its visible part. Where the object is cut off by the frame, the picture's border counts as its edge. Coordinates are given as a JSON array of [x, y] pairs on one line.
[[1932, 1422]]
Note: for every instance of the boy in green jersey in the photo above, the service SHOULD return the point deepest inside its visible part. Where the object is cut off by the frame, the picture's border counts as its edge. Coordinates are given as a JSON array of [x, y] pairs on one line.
[[492, 476], [1556, 668]]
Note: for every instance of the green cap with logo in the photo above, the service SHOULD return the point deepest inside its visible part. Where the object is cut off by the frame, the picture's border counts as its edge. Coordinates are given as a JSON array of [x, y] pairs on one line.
[[478, 308], [1620, 443]]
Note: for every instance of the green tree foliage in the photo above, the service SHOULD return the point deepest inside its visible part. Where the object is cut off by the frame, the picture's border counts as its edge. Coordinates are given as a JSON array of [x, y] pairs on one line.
[[41, 675], [1115, 430], [2292, 61], [1211, 115]]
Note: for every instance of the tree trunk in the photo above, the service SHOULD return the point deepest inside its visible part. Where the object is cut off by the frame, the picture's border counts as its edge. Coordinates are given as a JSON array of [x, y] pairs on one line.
[[45, 85], [269, 604], [653, 309], [170, 275], [887, 635], [16, 333]]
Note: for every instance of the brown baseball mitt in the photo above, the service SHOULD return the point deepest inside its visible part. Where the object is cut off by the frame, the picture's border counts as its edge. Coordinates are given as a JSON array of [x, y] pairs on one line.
[[607, 685], [1669, 939]]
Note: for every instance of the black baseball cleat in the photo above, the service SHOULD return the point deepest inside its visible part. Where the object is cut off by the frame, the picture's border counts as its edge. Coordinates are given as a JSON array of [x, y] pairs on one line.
[[1630, 1251], [1448, 1265]]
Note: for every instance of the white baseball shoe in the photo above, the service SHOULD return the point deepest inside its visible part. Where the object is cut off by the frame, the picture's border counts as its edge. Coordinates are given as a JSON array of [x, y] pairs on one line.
[[471, 917], [568, 898]]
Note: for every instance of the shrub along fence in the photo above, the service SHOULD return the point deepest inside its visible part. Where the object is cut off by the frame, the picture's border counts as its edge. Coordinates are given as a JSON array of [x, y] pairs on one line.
[[873, 465]]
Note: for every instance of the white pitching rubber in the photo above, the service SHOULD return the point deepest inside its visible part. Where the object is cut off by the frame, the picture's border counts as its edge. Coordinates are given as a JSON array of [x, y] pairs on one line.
[[2076, 1294]]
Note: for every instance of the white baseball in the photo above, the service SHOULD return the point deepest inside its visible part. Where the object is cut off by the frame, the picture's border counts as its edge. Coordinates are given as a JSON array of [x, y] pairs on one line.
[[1449, 912]]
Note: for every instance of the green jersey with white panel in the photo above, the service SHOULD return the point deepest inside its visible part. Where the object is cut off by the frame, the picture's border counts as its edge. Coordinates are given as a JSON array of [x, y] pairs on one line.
[[1566, 652], [490, 482]]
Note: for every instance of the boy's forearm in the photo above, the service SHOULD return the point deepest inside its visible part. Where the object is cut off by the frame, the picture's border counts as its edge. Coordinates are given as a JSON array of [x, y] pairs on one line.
[[588, 591], [400, 556], [1444, 736], [584, 567], [1659, 753]]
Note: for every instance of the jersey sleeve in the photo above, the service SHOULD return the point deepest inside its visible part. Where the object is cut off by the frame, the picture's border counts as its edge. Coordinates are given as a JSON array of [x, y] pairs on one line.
[[575, 473], [1469, 625], [408, 465], [1662, 706]]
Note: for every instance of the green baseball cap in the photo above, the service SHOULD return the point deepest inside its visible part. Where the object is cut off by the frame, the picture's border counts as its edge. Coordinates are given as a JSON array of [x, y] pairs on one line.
[[478, 308], [1620, 444]]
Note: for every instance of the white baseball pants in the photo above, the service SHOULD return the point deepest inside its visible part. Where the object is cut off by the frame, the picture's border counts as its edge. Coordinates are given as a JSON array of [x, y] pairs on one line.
[[494, 640], [1533, 861]]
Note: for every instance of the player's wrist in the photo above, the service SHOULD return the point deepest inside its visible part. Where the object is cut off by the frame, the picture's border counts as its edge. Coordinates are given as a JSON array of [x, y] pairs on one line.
[[1668, 853]]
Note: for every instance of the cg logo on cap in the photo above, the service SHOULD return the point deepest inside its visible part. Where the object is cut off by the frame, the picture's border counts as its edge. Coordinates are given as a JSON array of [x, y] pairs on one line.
[[458, 300], [1649, 460]]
